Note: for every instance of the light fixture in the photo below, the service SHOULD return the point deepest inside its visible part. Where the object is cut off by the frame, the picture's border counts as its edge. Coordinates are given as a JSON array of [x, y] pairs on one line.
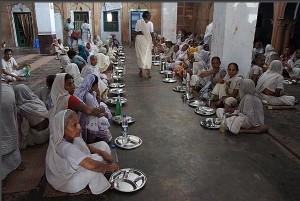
[[109, 17]]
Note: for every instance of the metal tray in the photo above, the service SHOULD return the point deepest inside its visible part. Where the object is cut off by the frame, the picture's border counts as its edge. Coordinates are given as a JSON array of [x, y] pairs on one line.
[[206, 111], [118, 119], [211, 123], [169, 80], [131, 143], [128, 180], [118, 77], [119, 68], [113, 100], [179, 88], [117, 91], [117, 85], [196, 103]]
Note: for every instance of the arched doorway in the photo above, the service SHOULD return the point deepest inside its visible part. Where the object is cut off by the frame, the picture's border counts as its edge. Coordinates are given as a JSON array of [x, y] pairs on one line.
[[264, 25]]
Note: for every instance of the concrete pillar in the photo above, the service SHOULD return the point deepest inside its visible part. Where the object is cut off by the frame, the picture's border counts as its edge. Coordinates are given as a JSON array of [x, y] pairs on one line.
[[233, 33], [46, 25], [169, 21], [279, 36]]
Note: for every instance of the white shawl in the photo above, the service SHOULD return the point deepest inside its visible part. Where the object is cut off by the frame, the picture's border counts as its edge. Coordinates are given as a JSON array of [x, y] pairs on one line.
[[59, 95]]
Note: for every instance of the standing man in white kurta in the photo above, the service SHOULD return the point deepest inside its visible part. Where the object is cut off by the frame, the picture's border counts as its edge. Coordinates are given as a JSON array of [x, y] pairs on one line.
[[143, 42], [85, 32]]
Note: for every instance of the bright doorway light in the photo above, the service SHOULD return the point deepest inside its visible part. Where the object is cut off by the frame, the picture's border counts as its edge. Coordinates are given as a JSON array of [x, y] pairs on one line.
[[109, 17]]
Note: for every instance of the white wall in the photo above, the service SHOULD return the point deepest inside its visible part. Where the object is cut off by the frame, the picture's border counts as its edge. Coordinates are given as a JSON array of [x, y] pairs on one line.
[[45, 18], [59, 24], [105, 35], [169, 21], [233, 33]]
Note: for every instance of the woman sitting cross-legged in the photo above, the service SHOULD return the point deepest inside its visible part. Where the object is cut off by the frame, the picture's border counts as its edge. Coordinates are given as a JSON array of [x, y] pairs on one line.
[[33, 117], [62, 97], [71, 164], [225, 94], [93, 127], [270, 86], [249, 116]]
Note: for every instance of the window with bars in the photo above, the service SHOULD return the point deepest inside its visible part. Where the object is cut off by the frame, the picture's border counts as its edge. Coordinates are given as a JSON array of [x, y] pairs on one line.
[[79, 18], [112, 26]]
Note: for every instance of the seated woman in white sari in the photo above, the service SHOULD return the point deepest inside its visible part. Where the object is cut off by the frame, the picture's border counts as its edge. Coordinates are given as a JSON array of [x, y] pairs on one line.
[[10, 152], [73, 70], [44, 92], [94, 128], [293, 65], [225, 94], [270, 86], [270, 54], [103, 62], [34, 117], [71, 164], [256, 69], [249, 116], [62, 96]]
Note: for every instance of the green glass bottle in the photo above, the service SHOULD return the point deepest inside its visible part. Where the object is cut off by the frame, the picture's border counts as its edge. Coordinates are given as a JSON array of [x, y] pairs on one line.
[[27, 69], [118, 106]]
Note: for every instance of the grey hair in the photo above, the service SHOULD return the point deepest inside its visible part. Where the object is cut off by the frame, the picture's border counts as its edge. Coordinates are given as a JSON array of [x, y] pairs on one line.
[[68, 115]]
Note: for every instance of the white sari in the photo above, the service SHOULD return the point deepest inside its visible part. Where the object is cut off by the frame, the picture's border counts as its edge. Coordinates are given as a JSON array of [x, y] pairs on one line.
[[73, 70], [143, 46], [62, 174], [267, 79], [59, 95], [250, 112]]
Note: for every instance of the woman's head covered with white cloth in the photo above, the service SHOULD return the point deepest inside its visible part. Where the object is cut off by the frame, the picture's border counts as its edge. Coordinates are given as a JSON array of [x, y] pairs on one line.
[[70, 166]]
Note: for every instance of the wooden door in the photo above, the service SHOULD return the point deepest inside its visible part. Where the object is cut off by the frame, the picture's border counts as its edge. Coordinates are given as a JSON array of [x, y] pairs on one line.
[[22, 41]]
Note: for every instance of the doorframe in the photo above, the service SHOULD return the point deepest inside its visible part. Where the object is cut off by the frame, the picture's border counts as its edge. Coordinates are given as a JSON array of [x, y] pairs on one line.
[[18, 8]]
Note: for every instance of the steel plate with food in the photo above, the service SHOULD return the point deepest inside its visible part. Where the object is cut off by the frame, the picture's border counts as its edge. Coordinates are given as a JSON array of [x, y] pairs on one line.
[[117, 91], [117, 85], [206, 111], [211, 123], [169, 80], [113, 100], [128, 180], [119, 118], [179, 88], [131, 142], [196, 103]]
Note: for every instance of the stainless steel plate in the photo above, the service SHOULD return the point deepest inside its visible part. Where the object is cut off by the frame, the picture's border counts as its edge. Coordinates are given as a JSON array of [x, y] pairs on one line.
[[121, 53], [122, 57], [179, 88], [128, 180], [117, 91], [132, 142], [196, 103], [168, 72], [115, 63], [119, 68], [211, 123], [156, 63], [122, 60], [206, 111], [117, 85], [118, 77], [169, 80], [113, 100], [118, 119]]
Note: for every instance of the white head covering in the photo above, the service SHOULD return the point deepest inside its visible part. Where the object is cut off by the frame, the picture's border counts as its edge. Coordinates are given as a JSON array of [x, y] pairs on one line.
[[59, 95], [267, 78], [269, 53], [58, 170], [64, 61], [250, 103], [29, 102], [73, 70]]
